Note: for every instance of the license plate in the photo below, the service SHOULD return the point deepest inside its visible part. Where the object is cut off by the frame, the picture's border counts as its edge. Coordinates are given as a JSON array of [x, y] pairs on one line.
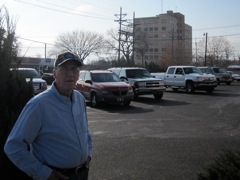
[[36, 87], [120, 99]]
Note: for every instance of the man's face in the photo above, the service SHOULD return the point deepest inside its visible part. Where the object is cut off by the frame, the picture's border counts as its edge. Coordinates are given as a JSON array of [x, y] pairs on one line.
[[66, 76]]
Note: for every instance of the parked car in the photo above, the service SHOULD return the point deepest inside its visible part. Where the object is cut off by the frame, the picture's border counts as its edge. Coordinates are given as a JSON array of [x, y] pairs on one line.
[[141, 81], [30, 74], [48, 77], [235, 76], [189, 78], [220, 73], [103, 86]]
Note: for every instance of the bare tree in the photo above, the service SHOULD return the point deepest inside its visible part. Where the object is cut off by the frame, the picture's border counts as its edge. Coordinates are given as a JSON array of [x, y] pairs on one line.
[[126, 42], [218, 49], [82, 43], [128, 39], [140, 43]]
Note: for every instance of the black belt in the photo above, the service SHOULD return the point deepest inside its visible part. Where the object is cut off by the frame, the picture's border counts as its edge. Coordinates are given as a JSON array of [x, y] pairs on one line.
[[69, 171]]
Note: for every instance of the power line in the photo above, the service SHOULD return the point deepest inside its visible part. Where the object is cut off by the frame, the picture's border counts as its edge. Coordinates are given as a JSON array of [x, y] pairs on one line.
[[220, 27], [64, 7], [31, 4]]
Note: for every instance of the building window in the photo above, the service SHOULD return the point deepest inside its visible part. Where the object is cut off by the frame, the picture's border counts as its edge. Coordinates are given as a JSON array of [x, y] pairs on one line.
[[156, 57], [155, 28], [145, 29], [164, 49], [155, 49], [150, 36], [163, 28], [155, 35], [150, 29], [151, 50], [163, 21]]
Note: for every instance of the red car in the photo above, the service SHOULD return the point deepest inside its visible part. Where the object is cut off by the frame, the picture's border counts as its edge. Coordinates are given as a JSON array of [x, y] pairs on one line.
[[104, 86]]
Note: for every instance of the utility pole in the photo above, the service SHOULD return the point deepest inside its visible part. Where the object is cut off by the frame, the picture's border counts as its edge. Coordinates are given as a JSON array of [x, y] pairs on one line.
[[120, 20], [133, 36], [196, 50], [173, 36], [205, 62]]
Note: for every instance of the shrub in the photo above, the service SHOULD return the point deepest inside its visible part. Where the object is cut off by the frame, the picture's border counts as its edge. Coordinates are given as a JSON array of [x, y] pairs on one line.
[[14, 93], [226, 166]]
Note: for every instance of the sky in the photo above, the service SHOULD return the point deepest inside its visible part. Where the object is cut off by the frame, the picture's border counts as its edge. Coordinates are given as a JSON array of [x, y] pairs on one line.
[[39, 22]]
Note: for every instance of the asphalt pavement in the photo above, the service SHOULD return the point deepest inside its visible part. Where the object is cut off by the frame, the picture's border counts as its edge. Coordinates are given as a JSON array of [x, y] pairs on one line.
[[173, 139]]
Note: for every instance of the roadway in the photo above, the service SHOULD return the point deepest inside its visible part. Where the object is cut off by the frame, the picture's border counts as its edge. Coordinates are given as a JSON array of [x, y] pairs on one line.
[[173, 139]]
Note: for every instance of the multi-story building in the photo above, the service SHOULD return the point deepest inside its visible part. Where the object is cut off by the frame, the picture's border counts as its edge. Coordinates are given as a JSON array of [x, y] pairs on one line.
[[168, 37]]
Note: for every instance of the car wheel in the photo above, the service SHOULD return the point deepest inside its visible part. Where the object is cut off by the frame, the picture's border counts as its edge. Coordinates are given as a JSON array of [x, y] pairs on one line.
[[210, 90], [135, 95], [158, 96], [126, 103], [218, 81], [94, 100], [190, 87]]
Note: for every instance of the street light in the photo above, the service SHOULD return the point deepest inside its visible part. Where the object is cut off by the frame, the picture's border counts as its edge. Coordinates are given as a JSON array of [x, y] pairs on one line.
[[205, 62]]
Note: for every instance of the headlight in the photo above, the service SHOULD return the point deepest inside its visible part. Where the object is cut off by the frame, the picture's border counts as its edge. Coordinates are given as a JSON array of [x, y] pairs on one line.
[[131, 83], [130, 89], [213, 78], [105, 92], [44, 85], [200, 78], [161, 83], [141, 84]]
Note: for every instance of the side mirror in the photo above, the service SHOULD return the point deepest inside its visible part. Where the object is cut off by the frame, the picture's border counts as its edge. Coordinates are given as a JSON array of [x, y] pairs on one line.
[[123, 78], [88, 81]]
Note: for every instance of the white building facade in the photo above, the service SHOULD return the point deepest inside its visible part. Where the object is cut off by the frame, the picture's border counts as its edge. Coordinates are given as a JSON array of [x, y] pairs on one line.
[[168, 39]]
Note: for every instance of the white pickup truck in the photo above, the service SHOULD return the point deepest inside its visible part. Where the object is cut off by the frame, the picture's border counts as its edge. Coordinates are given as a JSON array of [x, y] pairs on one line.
[[189, 78]]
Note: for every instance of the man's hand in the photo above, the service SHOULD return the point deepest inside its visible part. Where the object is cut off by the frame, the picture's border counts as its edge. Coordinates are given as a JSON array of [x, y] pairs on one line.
[[87, 162]]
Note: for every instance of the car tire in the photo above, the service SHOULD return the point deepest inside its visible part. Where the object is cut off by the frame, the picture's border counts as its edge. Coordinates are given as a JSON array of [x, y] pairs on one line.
[[158, 96], [126, 103], [135, 95], [94, 100], [210, 90], [190, 87]]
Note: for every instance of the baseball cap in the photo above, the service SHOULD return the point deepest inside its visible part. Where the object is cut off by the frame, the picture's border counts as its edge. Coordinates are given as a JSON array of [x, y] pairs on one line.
[[67, 56]]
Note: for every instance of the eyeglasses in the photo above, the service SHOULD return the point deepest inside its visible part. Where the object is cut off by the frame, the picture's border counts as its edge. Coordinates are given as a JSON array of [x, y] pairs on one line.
[[65, 70]]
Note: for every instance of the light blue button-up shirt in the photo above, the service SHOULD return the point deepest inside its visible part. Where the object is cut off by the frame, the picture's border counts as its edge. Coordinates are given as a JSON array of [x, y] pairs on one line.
[[57, 130]]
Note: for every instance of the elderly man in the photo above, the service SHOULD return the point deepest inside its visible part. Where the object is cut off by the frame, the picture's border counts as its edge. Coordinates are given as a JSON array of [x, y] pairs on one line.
[[51, 139]]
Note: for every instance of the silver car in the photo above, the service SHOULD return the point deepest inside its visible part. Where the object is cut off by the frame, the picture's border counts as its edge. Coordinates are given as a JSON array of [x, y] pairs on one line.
[[39, 85]]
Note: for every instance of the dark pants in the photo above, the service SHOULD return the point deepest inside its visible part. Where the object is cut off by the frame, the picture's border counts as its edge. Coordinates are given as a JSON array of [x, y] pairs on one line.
[[80, 175]]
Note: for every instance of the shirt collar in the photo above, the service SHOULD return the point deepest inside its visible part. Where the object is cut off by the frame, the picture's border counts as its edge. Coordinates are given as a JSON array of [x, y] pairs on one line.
[[61, 97]]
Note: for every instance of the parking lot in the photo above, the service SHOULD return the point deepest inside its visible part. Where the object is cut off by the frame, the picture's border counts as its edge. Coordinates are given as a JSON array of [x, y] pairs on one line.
[[174, 138]]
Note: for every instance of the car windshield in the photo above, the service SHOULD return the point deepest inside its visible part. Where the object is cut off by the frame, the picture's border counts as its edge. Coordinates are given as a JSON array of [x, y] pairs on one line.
[[207, 70], [219, 70], [105, 77], [189, 70], [137, 73], [30, 73], [222, 70]]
